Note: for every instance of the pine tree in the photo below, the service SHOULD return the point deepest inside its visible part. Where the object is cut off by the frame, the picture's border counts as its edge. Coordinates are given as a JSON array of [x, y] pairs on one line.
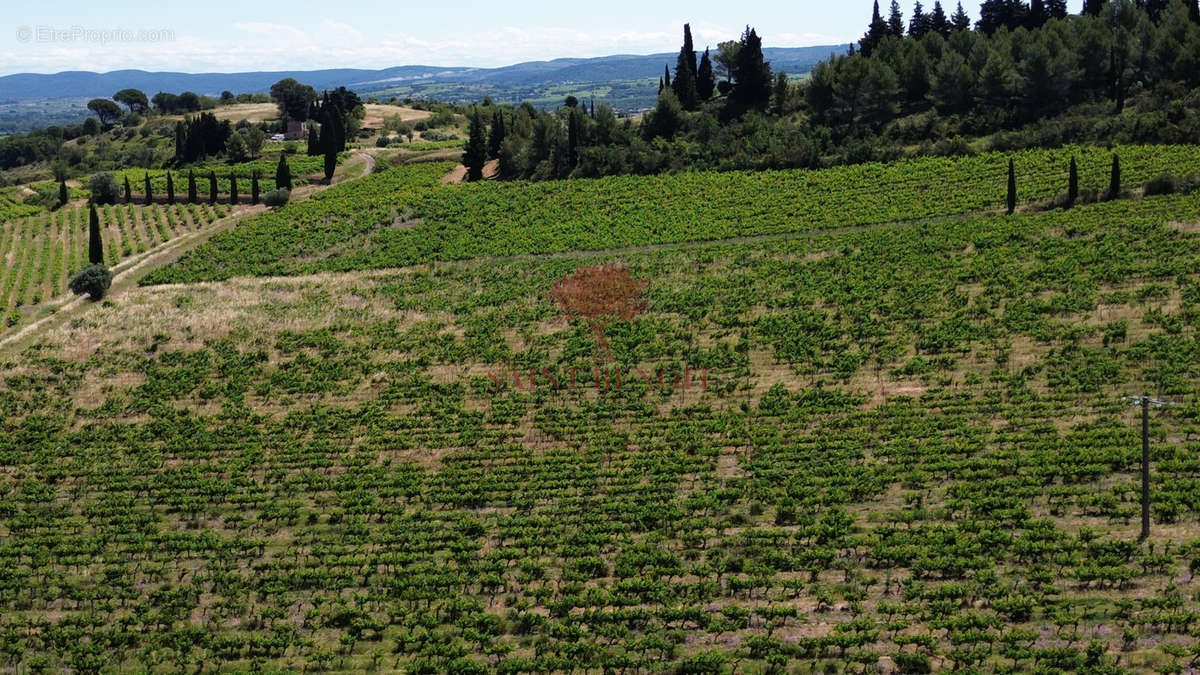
[[233, 195], [64, 195], [895, 24], [128, 191], [170, 189], [684, 84], [1114, 179], [938, 21], [475, 152], [212, 187], [149, 194], [254, 187], [497, 133], [920, 23], [1012, 188], [191, 186], [1093, 7], [1072, 184], [95, 245], [283, 173], [706, 82], [1057, 9], [960, 20]]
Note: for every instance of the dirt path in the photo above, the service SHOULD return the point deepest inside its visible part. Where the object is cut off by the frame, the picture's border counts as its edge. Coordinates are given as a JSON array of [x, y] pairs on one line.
[[459, 173]]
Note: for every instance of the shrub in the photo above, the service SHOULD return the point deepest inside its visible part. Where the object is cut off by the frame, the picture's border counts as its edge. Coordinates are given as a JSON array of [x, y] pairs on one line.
[[276, 198], [383, 141], [1162, 184], [104, 188], [94, 280]]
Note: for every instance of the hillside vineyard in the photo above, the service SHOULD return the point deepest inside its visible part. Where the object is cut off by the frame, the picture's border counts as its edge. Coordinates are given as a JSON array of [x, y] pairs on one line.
[[911, 450]]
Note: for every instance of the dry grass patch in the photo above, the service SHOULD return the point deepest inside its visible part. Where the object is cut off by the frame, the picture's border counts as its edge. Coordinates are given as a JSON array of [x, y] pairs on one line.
[[375, 114]]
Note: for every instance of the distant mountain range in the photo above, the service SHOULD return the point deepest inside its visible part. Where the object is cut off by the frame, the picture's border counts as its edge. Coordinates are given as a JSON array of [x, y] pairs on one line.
[[625, 82], [566, 71]]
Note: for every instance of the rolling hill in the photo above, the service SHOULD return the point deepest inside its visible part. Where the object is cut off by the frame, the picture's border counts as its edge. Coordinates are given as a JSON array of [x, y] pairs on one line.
[[623, 81]]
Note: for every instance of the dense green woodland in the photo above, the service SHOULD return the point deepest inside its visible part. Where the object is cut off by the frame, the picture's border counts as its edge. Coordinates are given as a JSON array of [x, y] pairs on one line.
[[1123, 72]]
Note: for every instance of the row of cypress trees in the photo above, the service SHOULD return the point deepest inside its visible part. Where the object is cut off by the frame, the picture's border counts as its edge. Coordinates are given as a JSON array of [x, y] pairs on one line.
[[192, 192], [1114, 184]]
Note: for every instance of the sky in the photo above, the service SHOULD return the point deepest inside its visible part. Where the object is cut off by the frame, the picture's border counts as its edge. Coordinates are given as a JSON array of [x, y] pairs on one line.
[[232, 36]]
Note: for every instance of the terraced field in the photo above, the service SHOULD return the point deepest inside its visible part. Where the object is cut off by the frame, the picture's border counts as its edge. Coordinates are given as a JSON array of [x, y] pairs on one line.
[[898, 448], [40, 252]]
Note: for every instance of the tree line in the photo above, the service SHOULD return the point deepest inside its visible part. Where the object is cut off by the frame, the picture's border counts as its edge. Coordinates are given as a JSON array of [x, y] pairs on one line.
[[1025, 74]]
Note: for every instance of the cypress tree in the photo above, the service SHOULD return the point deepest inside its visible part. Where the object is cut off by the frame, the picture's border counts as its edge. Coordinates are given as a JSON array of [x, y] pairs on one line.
[[666, 76], [95, 245], [706, 82], [475, 153], [1038, 15], [685, 72], [1114, 179], [191, 186], [128, 191], [330, 161], [254, 188], [573, 137], [212, 187], [233, 197], [875, 31], [180, 140], [1073, 184], [1012, 188], [496, 136], [283, 174], [314, 142], [149, 194], [170, 189], [64, 195]]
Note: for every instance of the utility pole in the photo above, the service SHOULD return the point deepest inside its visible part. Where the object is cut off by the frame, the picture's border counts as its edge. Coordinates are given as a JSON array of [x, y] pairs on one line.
[[1145, 469], [1145, 402]]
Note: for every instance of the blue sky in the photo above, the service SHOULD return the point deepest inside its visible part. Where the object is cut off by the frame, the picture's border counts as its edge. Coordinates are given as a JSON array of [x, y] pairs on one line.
[[223, 35]]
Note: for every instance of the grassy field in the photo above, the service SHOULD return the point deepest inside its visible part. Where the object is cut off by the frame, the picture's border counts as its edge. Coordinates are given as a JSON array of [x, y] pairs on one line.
[[900, 446]]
